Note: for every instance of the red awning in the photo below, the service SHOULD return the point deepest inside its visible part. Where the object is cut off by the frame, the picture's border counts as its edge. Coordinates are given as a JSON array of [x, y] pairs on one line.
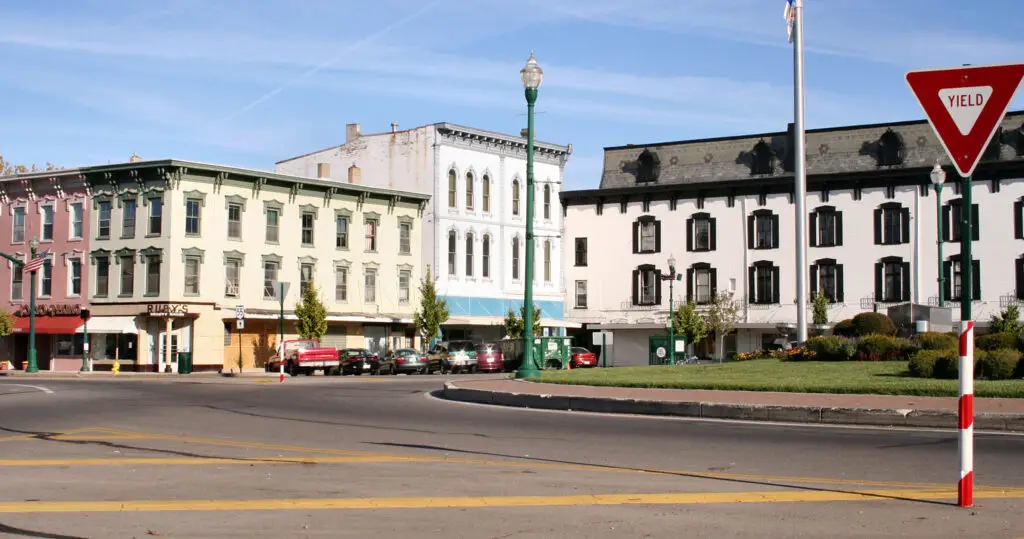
[[51, 325]]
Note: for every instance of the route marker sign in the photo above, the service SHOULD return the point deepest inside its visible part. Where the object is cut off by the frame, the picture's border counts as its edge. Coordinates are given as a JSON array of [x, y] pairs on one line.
[[965, 106]]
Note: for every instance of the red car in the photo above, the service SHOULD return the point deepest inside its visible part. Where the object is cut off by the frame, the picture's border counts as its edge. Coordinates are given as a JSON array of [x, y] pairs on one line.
[[581, 357], [489, 358]]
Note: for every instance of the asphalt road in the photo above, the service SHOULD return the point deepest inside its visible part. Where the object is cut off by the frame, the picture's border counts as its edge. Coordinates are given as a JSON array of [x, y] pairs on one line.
[[380, 457]]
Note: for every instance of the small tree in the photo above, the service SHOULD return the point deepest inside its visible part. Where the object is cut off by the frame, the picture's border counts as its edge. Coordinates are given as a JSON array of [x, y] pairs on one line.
[[1007, 322], [721, 318], [312, 314], [516, 325], [7, 168], [688, 323], [819, 312], [6, 324], [433, 311]]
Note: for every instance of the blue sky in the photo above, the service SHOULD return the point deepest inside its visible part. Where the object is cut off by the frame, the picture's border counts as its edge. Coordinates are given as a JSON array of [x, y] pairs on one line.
[[251, 82]]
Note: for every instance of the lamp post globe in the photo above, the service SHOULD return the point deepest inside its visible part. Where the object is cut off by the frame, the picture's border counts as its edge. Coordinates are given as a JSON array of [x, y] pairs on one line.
[[531, 75], [33, 243], [938, 177]]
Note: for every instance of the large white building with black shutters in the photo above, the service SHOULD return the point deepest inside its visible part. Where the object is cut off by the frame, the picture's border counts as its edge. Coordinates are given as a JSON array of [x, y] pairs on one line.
[[724, 209]]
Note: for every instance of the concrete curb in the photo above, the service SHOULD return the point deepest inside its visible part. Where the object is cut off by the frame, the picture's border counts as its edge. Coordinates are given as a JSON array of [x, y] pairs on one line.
[[108, 375], [746, 412]]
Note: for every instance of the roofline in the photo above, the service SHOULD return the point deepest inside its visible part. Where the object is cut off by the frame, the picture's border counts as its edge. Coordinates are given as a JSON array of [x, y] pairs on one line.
[[39, 174], [784, 133]]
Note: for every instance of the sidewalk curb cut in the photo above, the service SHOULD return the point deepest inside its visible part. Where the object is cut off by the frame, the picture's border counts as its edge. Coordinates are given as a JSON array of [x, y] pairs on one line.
[[747, 412]]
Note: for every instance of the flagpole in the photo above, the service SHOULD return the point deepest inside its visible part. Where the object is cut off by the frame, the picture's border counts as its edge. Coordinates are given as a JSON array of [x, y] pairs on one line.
[[800, 172]]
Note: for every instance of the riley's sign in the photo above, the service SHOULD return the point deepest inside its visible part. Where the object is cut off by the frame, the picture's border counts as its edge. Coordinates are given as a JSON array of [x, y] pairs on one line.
[[167, 309]]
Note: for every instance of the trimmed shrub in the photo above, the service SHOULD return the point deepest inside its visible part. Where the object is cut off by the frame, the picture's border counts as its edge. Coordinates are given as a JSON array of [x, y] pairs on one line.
[[831, 348], [997, 341], [947, 364], [873, 324], [922, 365], [937, 341], [844, 328], [883, 348], [999, 364]]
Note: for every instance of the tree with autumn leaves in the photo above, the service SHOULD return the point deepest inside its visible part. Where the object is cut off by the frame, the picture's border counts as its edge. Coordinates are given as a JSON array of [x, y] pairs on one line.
[[9, 169]]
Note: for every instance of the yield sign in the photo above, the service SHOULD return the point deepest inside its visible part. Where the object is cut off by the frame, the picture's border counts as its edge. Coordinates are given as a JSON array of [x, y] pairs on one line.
[[965, 106]]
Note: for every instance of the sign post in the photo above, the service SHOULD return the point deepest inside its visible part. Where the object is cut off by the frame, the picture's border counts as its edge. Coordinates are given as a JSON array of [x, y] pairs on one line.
[[965, 106], [240, 325]]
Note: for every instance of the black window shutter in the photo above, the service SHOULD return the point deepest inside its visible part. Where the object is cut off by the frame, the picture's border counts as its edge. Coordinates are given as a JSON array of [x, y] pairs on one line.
[[750, 232], [839, 283], [689, 285], [905, 273], [751, 285], [813, 220], [1018, 220], [814, 280], [775, 231], [947, 285], [976, 280], [636, 287], [905, 224], [839, 228], [879, 291], [878, 227], [714, 281], [657, 236], [975, 229], [636, 236], [714, 234], [1020, 277], [657, 287], [947, 223], [775, 284], [689, 234]]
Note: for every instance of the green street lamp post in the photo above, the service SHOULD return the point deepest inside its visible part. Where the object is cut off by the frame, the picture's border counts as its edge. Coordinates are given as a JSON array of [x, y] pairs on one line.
[[531, 75], [32, 366], [671, 310], [84, 315], [938, 177]]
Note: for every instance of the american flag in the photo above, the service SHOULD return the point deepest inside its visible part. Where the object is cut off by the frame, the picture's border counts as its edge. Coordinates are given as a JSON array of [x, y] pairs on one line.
[[789, 14], [36, 262]]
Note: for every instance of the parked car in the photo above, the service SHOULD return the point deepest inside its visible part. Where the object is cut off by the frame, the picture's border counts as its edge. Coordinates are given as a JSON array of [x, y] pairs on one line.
[[358, 361], [489, 358], [304, 356], [387, 363], [453, 356], [409, 361], [581, 357]]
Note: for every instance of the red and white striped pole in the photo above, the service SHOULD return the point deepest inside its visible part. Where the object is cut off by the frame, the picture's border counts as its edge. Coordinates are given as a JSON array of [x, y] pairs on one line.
[[965, 489]]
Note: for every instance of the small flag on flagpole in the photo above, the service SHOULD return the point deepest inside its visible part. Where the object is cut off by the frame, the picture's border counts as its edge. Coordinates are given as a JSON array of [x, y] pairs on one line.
[[37, 262], [789, 14]]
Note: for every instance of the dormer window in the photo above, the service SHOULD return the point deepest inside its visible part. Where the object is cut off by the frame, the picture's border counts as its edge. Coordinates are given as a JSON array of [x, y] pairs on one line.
[[763, 159], [648, 167], [890, 149]]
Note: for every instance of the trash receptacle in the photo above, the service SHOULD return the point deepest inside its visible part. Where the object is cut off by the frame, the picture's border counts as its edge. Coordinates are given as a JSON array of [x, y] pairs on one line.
[[184, 362]]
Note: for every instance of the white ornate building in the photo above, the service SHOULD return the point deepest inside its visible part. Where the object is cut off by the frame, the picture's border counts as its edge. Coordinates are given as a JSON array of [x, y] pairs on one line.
[[475, 224], [724, 208]]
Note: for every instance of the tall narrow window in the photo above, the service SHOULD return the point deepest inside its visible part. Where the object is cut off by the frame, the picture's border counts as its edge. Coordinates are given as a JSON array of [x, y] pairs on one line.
[[485, 194], [340, 283], [341, 232], [18, 230], [764, 231], [47, 223], [469, 254], [127, 275], [547, 261], [270, 270], [452, 181], [235, 221], [469, 191], [232, 275], [547, 202], [128, 210], [702, 285], [370, 295], [102, 276], [192, 276], [75, 277], [153, 275], [307, 229], [892, 224], [485, 257], [647, 237], [515, 197], [581, 294], [77, 218], [156, 212], [17, 283], [305, 277], [404, 238], [192, 217], [515, 258], [404, 277], [46, 280], [371, 235], [272, 226], [451, 252]]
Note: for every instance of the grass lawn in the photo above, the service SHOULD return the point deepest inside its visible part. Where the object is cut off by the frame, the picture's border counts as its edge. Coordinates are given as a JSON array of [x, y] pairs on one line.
[[879, 378]]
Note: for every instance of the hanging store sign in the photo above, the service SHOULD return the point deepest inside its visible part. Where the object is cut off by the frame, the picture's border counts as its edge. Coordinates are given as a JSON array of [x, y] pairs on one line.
[[167, 310], [54, 309]]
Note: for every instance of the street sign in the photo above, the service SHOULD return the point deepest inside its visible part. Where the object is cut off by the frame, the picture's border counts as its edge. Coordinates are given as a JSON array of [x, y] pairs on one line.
[[240, 323], [240, 312], [965, 106], [602, 338]]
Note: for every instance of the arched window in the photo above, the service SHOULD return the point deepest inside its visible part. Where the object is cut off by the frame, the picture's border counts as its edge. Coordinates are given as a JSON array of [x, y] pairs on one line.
[[547, 261], [515, 197], [451, 252], [469, 254], [547, 202], [485, 255], [469, 191], [515, 258], [451, 188], [485, 188]]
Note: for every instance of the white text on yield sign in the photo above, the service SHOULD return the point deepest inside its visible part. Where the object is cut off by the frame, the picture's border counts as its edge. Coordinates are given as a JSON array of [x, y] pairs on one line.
[[965, 105]]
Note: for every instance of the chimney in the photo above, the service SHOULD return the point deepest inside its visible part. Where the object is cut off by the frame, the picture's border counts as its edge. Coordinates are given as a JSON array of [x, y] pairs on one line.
[[394, 127], [134, 158], [355, 176], [351, 132], [323, 171]]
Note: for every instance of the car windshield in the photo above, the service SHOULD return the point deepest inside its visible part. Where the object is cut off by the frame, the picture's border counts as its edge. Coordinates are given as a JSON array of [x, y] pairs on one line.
[[406, 352], [486, 348], [302, 344], [353, 353], [460, 346], [578, 350]]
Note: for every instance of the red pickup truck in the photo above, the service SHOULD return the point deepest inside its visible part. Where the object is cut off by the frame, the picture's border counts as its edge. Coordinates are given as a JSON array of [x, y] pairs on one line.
[[305, 356]]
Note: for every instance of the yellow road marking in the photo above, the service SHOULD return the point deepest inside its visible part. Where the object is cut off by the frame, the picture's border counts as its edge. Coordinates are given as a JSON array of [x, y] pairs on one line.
[[488, 501]]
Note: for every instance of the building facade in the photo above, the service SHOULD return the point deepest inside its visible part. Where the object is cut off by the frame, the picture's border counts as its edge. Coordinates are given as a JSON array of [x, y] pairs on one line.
[[724, 209], [474, 229]]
